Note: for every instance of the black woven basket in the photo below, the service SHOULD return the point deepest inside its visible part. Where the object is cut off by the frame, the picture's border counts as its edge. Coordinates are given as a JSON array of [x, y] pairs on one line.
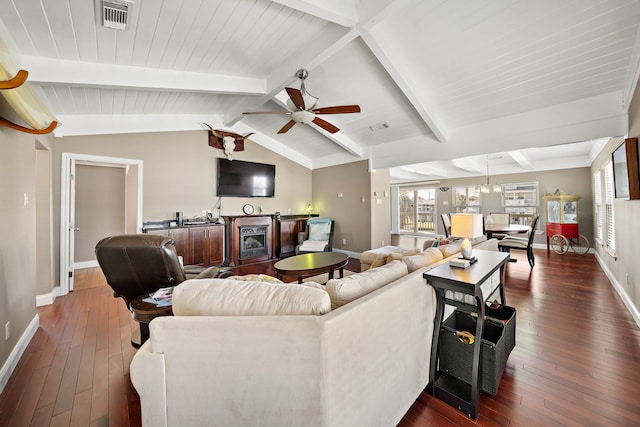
[[497, 342]]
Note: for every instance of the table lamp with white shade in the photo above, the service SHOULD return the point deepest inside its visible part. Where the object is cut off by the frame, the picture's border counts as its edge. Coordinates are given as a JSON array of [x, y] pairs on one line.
[[468, 226]]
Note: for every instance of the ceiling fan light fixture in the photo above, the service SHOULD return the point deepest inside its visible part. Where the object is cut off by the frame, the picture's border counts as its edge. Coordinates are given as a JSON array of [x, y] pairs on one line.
[[303, 116]]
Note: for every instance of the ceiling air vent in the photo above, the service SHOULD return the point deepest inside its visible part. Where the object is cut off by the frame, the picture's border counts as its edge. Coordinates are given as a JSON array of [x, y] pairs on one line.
[[115, 13], [379, 126]]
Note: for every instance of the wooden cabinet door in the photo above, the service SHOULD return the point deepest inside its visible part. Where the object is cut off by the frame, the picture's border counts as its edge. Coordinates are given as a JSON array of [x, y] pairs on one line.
[[214, 246], [180, 238], [197, 244], [287, 240], [206, 245]]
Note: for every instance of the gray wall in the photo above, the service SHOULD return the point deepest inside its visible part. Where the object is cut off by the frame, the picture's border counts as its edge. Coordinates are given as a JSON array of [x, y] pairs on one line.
[[624, 265], [380, 197], [351, 213], [575, 181], [17, 235], [100, 207], [179, 174]]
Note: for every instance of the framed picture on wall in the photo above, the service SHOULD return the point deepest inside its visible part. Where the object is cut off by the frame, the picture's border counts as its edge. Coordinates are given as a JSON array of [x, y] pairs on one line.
[[625, 170]]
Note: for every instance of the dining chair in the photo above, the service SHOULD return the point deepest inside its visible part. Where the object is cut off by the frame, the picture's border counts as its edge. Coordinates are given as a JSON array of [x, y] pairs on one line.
[[500, 218], [521, 243], [446, 223]]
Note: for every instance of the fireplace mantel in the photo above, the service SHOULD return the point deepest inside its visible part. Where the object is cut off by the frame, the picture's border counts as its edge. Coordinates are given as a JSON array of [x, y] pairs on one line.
[[234, 238]]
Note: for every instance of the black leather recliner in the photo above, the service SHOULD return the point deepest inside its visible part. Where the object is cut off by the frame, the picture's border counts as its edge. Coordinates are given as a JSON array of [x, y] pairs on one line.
[[137, 264]]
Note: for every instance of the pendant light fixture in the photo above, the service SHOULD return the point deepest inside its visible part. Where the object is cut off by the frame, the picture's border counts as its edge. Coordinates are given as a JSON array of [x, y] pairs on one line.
[[486, 188]]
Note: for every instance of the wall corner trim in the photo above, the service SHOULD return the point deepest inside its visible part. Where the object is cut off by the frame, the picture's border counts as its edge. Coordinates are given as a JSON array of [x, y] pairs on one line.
[[47, 299], [18, 350]]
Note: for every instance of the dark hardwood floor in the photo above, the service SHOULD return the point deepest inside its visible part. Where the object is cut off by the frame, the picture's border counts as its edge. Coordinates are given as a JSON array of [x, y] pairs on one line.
[[575, 363]]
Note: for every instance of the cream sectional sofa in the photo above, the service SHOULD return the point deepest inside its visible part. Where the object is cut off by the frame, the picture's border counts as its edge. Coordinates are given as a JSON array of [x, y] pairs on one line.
[[264, 354]]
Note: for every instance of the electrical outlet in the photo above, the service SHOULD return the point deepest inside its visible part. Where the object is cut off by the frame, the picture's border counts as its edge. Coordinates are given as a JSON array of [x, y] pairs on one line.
[[344, 241], [383, 243], [7, 331], [204, 213]]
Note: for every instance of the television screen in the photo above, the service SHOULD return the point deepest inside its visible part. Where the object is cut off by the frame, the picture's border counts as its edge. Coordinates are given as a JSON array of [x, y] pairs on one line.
[[237, 178]]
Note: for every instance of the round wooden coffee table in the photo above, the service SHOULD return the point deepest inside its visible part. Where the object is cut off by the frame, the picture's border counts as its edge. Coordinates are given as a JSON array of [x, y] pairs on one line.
[[310, 264], [143, 313]]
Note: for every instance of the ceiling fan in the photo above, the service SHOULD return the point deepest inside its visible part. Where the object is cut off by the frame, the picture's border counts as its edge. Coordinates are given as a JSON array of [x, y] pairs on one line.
[[302, 105]]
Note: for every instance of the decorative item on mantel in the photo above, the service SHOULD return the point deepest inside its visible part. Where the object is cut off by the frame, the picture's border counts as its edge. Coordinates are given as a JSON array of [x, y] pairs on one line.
[[226, 140], [468, 226], [309, 210]]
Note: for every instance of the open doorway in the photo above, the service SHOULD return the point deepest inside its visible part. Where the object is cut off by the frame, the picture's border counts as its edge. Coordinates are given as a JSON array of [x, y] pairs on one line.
[[131, 204]]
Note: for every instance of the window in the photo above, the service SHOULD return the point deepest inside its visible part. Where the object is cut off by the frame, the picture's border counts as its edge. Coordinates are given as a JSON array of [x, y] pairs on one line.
[[520, 201], [597, 183], [466, 200], [417, 210], [608, 208]]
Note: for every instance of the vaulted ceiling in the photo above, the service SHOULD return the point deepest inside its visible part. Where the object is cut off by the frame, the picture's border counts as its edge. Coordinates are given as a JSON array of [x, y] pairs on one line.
[[436, 81]]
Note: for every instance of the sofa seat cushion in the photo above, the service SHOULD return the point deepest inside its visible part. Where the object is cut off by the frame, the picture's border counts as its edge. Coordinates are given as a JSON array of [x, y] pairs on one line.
[[427, 257], [350, 288], [228, 297]]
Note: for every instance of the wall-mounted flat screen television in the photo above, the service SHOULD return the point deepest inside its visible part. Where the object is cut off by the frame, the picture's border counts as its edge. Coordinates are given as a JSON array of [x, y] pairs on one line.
[[237, 178]]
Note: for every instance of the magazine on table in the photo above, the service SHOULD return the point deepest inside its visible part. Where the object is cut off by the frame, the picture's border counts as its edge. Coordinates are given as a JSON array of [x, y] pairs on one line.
[[161, 297]]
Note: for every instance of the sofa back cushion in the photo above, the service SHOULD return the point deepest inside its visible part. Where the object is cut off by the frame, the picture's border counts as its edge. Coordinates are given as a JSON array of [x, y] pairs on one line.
[[227, 297], [345, 290], [427, 257]]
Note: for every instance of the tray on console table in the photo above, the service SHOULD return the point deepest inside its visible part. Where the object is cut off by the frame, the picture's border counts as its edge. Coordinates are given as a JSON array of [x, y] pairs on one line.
[[465, 281]]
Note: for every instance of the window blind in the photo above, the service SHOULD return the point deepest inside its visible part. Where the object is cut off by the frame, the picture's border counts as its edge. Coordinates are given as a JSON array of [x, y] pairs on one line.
[[597, 183], [609, 197]]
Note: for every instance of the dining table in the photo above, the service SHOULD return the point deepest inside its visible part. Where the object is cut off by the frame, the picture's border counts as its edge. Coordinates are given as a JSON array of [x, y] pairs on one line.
[[505, 229]]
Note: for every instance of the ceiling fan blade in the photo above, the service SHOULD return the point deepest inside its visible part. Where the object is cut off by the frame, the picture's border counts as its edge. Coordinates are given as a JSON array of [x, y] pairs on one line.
[[325, 125], [288, 126], [267, 112], [339, 109], [296, 97]]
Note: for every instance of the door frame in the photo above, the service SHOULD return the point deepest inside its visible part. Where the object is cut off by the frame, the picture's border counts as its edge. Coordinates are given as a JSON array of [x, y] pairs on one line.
[[67, 197]]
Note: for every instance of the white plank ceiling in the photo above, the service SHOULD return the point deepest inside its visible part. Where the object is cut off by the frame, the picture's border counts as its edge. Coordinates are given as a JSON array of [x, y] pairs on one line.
[[445, 81]]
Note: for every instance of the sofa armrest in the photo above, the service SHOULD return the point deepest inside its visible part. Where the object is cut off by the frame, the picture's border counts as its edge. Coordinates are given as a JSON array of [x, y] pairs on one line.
[[147, 373]]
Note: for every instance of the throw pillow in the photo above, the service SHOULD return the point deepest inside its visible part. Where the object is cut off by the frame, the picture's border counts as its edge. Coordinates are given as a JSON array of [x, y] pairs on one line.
[[450, 249], [381, 259], [319, 231], [397, 255], [227, 297], [423, 259], [350, 288], [257, 278]]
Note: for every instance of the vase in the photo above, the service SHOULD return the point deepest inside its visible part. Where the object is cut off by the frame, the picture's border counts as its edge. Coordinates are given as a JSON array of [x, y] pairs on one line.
[[488, 220], [466, 249]]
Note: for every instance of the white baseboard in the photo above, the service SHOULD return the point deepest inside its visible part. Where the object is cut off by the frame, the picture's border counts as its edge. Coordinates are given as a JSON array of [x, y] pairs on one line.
[[633, 310], [47, 299], [355, 255], [18, 350], [85, 264]]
